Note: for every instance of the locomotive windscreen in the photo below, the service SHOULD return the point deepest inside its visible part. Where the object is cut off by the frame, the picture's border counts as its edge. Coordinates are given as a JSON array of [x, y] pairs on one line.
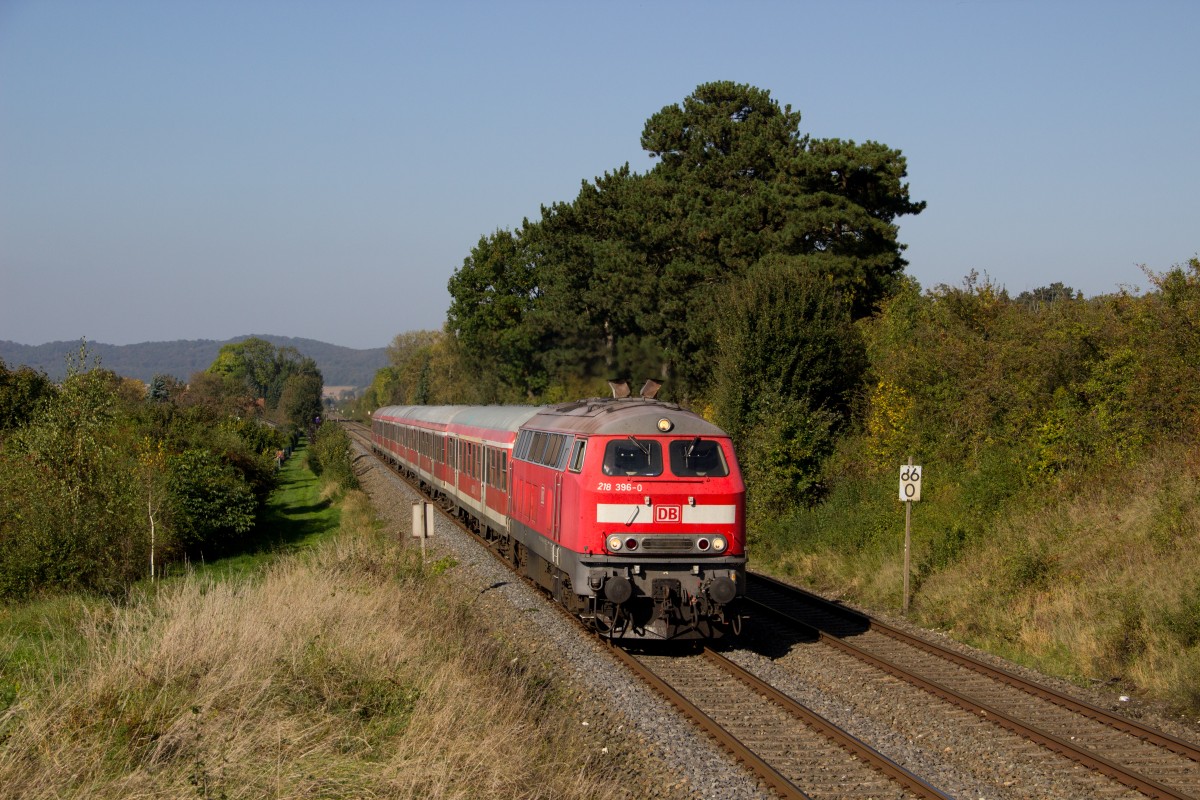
[[698, 458], [633, 457]]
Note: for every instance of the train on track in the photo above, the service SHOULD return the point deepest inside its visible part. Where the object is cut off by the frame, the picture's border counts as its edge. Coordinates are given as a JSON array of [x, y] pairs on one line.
[[629, 511]]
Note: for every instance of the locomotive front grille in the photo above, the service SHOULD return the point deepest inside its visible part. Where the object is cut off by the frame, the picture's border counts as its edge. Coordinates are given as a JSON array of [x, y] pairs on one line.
[[673, 544]]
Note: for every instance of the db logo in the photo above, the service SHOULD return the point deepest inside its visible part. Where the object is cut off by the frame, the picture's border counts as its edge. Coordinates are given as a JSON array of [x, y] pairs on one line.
[[668, 513]]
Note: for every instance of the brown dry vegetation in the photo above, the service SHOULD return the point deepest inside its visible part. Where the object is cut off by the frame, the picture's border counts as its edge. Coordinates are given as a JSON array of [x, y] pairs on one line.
[[346, 671], [1105, 586]]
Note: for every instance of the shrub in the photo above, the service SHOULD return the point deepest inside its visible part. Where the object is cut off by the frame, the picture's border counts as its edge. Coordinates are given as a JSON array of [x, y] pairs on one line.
[[211, 501], [330, 457]]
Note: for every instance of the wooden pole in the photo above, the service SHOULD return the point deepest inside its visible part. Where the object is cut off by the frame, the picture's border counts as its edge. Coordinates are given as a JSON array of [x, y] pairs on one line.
[[907, 545]]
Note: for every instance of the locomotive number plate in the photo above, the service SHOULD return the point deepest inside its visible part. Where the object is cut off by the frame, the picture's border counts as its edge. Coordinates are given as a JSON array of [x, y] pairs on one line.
[[609, 486]]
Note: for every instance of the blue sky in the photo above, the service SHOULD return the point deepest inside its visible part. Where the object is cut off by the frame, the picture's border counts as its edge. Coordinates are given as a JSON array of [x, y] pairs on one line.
[[177, 169]]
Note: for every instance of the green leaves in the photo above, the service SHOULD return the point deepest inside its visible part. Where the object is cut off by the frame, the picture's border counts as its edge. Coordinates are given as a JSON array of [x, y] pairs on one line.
[[263, 369], [330, 457], [494, 295], [22, 393], [211, 501], [789, 363]]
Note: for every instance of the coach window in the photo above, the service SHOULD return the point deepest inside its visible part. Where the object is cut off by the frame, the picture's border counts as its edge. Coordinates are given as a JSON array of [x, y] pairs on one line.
[[697, 458], [632, 456], [577, 455]]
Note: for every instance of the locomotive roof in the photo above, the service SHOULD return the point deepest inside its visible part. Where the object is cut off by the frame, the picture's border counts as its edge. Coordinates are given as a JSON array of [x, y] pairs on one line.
[[622, 417]]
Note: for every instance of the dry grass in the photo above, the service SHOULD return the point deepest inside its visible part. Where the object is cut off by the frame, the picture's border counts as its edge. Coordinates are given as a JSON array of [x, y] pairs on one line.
[[342, 672], [1103, 587]]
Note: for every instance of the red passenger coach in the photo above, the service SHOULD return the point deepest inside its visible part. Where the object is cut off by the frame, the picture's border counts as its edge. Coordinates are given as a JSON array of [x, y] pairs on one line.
[[630, 512]]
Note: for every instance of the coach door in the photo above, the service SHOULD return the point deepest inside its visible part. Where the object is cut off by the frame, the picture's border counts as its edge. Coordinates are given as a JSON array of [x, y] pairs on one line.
[[556, 511], [485, 461]]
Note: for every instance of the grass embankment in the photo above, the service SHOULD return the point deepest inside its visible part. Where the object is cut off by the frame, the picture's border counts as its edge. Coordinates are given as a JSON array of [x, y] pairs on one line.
[[1100, 583], [342, 670]]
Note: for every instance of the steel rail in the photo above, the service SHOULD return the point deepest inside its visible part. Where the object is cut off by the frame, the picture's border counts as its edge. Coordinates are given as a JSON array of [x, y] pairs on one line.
[[847, 741], [1132, 727], [1134, 780], [727, 740]]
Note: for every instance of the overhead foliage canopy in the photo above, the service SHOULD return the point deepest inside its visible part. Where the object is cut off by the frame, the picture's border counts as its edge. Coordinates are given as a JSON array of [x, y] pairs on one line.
[[628, 279]]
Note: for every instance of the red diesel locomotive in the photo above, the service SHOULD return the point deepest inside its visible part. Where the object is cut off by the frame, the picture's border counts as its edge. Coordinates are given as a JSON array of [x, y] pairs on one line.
[[629, 511]]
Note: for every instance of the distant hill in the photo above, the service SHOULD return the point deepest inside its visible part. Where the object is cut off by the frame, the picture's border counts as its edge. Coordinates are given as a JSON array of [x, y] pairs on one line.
[[340, 366]]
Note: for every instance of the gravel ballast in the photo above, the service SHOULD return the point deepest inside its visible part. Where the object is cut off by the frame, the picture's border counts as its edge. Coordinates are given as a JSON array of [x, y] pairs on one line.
[[663, 753], [666, 756]]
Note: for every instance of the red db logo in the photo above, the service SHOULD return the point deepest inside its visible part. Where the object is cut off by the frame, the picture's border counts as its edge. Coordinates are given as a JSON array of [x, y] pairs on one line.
[[668, 513]]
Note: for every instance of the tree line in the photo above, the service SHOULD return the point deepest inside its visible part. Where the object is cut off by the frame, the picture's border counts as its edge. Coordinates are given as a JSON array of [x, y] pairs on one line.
[[103, 479]]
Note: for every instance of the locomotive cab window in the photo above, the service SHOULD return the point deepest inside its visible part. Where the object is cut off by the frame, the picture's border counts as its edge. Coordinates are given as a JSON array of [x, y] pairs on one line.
[[697, 458], [633, 457], [577, 455]]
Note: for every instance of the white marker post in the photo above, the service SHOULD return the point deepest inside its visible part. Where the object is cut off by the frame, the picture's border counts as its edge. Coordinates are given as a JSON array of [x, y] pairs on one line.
[[910, 492], [422, 519]]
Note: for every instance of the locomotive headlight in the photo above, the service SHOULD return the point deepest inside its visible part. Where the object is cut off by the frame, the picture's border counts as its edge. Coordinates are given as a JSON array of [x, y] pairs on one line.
[[665, 425], [614, 543], [719, 544]]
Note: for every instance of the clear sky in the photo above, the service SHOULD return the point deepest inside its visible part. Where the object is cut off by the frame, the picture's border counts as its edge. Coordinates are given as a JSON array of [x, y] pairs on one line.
[[177, 169]]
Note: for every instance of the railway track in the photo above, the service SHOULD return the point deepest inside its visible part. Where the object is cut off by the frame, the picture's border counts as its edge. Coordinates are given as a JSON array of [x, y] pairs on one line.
[[785, 744], [799, 754], [1149, 761]]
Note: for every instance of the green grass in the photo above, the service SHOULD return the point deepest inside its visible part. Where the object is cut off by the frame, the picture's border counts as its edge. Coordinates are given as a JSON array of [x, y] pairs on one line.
[[44, 634]]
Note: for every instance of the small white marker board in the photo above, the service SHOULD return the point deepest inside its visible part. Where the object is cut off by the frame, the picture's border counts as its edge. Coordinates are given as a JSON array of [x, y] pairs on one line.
[[910, 483]]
